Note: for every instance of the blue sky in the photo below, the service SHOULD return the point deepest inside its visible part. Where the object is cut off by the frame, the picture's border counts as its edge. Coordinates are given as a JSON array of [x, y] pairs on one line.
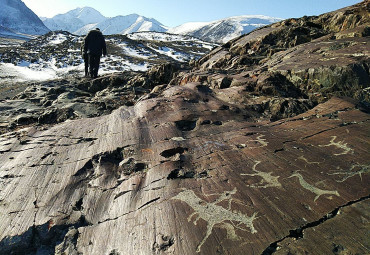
[[175, 12]]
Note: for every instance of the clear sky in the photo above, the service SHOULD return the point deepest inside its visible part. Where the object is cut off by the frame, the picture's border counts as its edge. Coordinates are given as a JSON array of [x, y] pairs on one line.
[[175, 12]]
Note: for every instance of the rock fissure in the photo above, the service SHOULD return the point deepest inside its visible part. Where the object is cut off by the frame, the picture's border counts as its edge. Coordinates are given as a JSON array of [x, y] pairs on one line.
[[299, 232]]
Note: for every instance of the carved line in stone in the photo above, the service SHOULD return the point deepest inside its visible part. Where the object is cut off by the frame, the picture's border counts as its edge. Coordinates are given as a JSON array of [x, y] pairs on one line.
[[319, 192], [340, 145], [361, 169], [209, 145], [214, 214], [308, 162], [270, 180], [259, 139]]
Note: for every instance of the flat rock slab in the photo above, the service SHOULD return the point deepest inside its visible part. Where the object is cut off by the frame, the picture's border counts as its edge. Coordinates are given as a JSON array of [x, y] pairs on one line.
[[183, 174]]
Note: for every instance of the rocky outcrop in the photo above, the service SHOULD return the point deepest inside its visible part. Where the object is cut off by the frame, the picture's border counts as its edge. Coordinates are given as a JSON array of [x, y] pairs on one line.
[[183, 159], [268, 155], [335, 43], [60, 100]]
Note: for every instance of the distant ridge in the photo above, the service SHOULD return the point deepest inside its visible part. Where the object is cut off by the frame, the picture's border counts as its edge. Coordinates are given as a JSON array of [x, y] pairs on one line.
[[223, 30]]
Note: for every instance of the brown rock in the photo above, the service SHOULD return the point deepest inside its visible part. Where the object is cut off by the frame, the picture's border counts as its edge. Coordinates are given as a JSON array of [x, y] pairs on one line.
[[251, 152]]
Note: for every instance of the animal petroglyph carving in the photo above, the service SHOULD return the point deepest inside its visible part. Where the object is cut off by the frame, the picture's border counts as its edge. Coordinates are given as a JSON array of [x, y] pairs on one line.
[[355, 169], [340, 145], [268, 181], [215, 214], [307, 161], [259, 140], [317, 191]]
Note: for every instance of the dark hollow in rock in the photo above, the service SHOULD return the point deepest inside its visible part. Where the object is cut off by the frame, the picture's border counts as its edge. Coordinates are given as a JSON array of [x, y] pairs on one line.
[[186, 125], [205, 122], [129, 166], [217, 123], [172, 152], [180, 174], [78, 205], [114, 252]]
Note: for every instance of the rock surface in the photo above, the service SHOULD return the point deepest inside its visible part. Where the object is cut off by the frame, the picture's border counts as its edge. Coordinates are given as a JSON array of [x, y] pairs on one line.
[[263, 154]]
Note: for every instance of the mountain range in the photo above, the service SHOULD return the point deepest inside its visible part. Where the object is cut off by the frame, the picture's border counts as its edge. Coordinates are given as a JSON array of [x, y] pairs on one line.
[[16, 19], [79, 21], [225, 29]]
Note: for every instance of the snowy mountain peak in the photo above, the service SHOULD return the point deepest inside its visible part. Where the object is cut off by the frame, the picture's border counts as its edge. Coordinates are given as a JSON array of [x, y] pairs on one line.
[[79, 21], [74, 19], [88, 15]]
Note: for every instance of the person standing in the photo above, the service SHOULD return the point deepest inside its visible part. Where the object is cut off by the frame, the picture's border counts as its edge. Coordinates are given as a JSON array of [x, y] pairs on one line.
[[94, 47]]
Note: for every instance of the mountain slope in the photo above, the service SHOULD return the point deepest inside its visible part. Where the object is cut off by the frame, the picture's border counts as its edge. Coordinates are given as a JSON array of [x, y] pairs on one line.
[[225, 29], [16, 17]]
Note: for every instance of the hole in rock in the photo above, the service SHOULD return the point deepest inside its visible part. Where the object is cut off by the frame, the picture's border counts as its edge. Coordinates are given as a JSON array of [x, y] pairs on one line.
[[78, 205], [186, 125], [172, 152], [180, 174]]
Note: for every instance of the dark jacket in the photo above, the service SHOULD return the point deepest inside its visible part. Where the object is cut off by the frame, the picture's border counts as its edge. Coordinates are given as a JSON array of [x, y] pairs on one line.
[[94, 43]]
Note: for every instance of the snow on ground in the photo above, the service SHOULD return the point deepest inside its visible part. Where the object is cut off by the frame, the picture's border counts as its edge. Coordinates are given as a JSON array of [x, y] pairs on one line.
[[46, 59], [43, 71], [171, 53], [107, 67], [161, 37], [58, 39], [133, 52], [10, 73]]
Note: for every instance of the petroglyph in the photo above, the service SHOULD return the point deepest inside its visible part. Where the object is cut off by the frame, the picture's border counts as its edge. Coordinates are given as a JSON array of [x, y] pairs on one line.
[[306, 160], [211, 146], [215, 214], [340, 145], [259, 140], [355, 169], [267, 178], [317, 191]]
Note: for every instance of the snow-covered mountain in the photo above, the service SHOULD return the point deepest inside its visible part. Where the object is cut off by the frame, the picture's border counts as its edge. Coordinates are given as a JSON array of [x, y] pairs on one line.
[[79, 21], [17, 20], [74, 20], [124, 25], [225, 29]]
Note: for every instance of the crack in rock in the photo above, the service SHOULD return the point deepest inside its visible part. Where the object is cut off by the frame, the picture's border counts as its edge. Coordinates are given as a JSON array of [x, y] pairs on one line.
[[299, 232]]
